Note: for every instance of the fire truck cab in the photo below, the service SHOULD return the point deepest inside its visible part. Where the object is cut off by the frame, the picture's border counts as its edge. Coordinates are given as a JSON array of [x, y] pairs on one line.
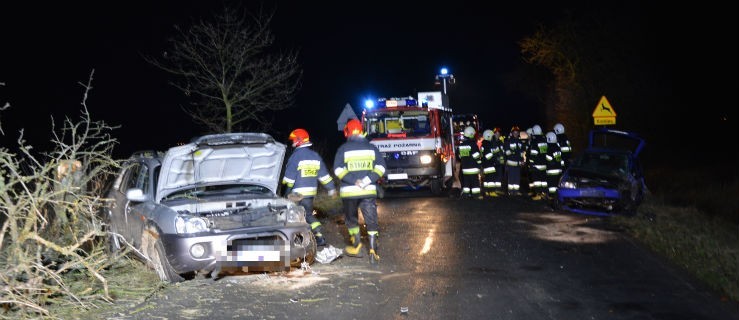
[[416, 138]]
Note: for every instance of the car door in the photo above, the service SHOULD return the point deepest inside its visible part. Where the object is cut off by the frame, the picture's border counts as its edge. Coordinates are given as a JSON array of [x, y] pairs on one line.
[[119, 206], [137, 211]]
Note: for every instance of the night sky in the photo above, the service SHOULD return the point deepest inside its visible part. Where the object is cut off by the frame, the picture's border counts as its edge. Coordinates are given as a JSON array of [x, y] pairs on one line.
[[348, 51]]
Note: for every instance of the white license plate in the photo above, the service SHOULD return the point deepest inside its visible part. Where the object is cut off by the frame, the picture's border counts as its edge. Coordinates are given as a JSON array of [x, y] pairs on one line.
[[397, 176], [255, 256]]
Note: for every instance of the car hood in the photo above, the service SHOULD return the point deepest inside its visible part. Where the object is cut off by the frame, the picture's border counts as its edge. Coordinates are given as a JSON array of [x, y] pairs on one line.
[[250, 158], [587, 178], [616, 140]]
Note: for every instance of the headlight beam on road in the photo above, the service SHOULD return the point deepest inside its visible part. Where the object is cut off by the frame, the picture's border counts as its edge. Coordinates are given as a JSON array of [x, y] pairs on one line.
[[427, 243]]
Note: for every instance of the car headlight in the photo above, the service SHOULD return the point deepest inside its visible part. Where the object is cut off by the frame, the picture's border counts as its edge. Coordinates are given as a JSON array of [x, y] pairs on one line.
[[295, 214], [426, 159], [567, 184], [190, 224]]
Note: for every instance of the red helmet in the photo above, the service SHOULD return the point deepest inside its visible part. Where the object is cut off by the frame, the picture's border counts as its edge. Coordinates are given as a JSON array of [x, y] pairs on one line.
[[299, 137], [352, 127]]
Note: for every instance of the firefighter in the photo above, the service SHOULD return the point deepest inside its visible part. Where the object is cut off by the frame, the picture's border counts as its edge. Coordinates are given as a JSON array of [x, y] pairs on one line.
[[555, 165], [514, 160], [359, 164], [489, 162], [470, 158], [537, 161], [499, 157], [563, 142], [305, 168]]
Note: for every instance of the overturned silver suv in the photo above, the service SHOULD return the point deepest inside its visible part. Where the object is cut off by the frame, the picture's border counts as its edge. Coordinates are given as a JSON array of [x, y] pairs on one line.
[[208, 205]]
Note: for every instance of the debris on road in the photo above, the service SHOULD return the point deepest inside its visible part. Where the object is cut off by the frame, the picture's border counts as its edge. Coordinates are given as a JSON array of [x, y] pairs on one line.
[[328, 254]]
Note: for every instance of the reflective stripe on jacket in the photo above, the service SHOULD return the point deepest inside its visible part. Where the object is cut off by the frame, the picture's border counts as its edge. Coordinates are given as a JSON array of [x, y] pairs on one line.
[[304, 170], [355, 160]]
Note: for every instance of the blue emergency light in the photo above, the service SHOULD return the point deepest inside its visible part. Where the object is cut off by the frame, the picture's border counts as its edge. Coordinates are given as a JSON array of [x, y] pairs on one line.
[[369, 104], [396, 102]]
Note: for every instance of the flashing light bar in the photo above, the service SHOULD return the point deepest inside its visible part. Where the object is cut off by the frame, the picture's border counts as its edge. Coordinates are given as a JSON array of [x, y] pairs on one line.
[[397, 102]]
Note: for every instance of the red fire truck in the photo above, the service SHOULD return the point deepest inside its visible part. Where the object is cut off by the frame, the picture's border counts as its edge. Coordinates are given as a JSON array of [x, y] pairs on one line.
[[416, 138]]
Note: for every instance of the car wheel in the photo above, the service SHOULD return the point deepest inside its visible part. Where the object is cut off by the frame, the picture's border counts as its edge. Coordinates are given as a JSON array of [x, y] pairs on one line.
[[310, 252], [153, 249], [113, 247]]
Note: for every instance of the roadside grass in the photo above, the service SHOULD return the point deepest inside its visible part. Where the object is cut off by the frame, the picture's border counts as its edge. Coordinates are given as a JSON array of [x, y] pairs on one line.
[[692, 219], [130, 283]]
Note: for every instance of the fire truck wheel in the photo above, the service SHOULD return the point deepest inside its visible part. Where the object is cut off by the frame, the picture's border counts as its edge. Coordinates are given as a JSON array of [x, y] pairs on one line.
[[436, 186], [380, 192]]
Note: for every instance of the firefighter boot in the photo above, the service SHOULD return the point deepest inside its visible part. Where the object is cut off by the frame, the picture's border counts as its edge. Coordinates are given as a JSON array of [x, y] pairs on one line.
[[355, 249], [320, 240], [374, 257]]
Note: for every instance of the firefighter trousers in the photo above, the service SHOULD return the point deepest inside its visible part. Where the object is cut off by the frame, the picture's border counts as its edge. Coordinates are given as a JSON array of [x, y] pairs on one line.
[[368, 206]]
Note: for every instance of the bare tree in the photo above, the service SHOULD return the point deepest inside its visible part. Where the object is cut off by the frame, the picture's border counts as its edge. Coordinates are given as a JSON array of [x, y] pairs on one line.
[[230, 69], [49, 217]]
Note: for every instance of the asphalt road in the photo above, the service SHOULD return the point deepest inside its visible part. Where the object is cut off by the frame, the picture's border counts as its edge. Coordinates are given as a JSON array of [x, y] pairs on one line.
[[444, 258]]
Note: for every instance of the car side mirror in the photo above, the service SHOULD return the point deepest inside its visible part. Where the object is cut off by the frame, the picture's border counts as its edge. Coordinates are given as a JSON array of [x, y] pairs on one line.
[[136, 195]]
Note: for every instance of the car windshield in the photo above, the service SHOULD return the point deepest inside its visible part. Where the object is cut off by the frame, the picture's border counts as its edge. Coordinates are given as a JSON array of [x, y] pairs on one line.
[[218, 190], [397, 124], [604, 163]]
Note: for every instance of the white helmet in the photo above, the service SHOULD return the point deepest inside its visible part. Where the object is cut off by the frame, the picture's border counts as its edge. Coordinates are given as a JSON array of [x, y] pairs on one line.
[[469, 132], [530, 131], [536, 129], [551, 137], [523, 135], [487, 135], [559, 128]]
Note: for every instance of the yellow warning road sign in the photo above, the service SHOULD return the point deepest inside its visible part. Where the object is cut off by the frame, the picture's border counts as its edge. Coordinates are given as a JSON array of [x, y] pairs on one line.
[[604, 113]]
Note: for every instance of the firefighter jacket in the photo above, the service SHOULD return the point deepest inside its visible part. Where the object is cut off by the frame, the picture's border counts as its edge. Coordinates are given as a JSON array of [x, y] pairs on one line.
[[489, 159], [498, 152], [565, 146], [304, 170], [537, 152], [555, 164], [357, 159], [513, 151], [469, 156]]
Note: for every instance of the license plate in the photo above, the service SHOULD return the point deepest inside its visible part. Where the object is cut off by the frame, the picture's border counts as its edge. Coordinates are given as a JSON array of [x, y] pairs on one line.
[[260, 256], [592, 193], [397, 176]]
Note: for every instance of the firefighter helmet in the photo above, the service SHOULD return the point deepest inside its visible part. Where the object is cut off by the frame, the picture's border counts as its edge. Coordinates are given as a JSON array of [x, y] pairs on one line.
[[523, 135], [487, 135], [352, 127], [536, 130], [515, 128], [551, 137], [299, 137], [469, 132], [559, 128], [496, 130]]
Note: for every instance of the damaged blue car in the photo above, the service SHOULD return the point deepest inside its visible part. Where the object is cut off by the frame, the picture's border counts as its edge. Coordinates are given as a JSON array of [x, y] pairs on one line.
[[606, 178]]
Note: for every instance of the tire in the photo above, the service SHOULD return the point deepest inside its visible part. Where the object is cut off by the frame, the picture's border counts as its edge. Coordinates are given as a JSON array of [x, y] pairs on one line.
[[113, 245], [153, 248], [310, 252], [436, 186]]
